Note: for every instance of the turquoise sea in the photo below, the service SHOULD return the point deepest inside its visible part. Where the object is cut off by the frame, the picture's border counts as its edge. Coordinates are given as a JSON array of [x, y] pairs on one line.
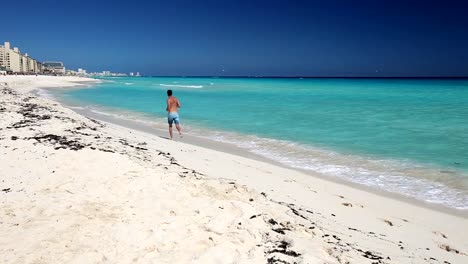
[[408, 136]]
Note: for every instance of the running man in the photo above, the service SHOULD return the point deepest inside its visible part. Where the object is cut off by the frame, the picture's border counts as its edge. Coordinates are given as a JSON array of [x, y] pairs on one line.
[[172, 115]]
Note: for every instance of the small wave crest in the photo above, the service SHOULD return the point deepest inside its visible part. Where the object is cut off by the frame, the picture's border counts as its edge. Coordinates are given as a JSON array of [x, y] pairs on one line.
[[45, 94], [181, 86], [77, 107], [123, 115], [103, 113]]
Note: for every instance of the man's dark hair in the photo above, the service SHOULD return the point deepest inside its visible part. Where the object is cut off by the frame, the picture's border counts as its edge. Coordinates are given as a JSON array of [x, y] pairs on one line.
[[169, 92]]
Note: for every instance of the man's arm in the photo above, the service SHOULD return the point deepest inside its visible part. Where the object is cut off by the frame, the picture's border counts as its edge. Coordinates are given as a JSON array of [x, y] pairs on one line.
[[178, 104], [167, 105]]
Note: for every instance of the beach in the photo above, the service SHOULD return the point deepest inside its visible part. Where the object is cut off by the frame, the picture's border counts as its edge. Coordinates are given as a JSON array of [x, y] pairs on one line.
[[79, 190]]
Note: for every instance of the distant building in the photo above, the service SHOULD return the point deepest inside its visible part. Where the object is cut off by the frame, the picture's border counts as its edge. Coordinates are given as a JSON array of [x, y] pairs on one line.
[[15, 62], [82, 72], [3, 70], [131, 74], [30, 65], [54, 67]]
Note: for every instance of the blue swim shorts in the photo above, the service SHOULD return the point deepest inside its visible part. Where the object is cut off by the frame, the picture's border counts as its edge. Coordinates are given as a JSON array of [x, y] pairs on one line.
[[173, 118]]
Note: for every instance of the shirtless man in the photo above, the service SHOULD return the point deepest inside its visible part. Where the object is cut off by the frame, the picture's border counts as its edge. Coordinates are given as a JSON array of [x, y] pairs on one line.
[[172, 115]]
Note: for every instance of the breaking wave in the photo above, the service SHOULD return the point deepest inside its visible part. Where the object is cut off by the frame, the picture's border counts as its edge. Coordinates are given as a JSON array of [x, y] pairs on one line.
[[181, 86]]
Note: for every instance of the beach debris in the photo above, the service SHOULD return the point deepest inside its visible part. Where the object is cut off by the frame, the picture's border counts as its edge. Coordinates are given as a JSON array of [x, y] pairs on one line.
[[28, 110], [293, 210], [281, 230], [125, 143], [7, 90], [21, 124], [106, 150], [388, 222], [450, 249], [61, 141], [96, 122], [254, 216], [6, 190], [371, 255], [272, 221], [281, 248], [65, 118], [440, 234]]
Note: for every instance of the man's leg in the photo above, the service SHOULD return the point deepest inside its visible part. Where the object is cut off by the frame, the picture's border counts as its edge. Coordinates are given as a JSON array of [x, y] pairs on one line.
[[170, 130], [178, 129]]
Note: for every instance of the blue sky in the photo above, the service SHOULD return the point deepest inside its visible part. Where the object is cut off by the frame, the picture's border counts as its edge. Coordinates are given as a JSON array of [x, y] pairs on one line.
[[245, 38]]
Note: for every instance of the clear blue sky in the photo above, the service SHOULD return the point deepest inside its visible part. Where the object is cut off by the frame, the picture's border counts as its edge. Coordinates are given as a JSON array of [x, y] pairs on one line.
[[248, 38]]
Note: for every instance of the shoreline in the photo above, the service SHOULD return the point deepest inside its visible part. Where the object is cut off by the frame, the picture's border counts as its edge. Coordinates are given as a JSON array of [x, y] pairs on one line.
[[91, 181], [238, 151], [242, 152]]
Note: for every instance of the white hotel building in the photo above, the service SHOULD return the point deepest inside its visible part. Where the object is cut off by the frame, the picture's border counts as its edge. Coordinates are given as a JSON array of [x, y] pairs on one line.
[[12, 60]]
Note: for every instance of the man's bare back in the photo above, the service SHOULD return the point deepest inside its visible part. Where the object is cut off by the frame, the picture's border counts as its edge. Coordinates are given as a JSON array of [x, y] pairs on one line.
[[172, 104]]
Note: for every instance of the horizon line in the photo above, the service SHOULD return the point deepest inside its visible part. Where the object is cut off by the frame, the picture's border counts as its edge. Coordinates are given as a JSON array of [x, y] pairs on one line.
[[310, 77]]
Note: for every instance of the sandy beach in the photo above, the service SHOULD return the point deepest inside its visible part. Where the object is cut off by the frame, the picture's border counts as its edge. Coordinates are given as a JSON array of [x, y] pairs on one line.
[[78, 190]]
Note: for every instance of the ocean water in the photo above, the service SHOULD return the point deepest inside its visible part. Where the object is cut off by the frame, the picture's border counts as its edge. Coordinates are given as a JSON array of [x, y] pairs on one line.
[[408, 136]]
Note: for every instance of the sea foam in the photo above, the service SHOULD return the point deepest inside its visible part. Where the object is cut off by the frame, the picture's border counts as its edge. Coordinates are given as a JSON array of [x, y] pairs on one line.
[[397, 176], [182, 86]]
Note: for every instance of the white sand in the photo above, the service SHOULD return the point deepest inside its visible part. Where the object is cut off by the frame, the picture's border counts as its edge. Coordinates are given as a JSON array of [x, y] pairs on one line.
[[74, 190]]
